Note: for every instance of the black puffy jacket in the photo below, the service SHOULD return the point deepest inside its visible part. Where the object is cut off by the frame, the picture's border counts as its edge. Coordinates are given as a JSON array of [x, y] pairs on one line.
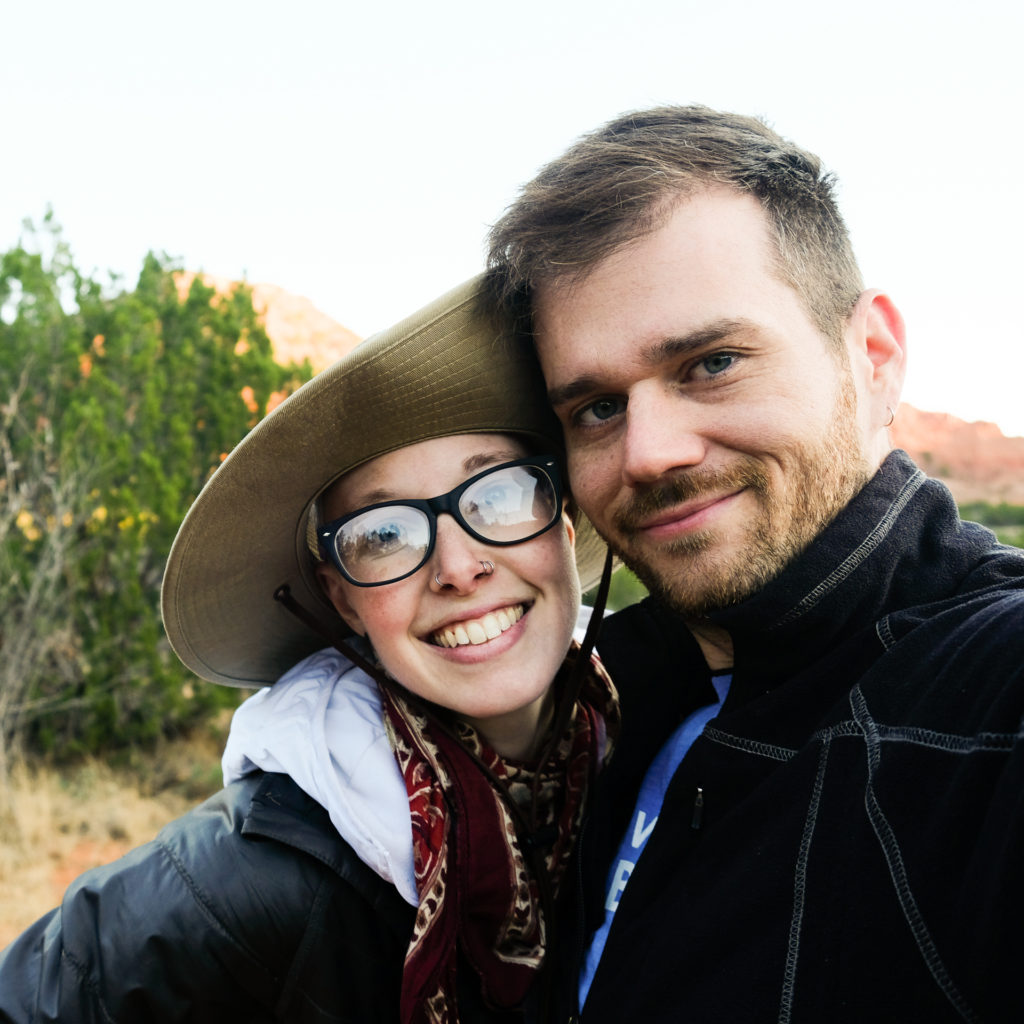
[[249, 908]]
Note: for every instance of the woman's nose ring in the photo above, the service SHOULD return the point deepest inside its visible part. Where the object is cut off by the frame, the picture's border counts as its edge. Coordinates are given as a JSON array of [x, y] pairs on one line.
[[486, 569]]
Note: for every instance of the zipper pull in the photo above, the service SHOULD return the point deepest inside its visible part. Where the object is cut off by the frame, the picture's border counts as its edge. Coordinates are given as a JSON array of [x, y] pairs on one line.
[[698, 809]]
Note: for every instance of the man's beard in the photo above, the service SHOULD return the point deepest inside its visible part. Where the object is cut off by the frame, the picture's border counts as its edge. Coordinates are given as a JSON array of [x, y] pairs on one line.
[[686, 575]]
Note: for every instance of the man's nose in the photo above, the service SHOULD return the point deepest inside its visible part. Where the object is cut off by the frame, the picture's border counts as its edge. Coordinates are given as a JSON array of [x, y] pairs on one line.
[[457, 561], [664, 432]]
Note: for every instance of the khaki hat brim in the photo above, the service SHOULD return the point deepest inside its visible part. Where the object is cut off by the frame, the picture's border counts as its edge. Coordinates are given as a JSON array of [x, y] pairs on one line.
[[441, 371]]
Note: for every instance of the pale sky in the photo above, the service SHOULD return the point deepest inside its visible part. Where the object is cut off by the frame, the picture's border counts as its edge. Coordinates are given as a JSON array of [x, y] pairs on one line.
[[356, 153]]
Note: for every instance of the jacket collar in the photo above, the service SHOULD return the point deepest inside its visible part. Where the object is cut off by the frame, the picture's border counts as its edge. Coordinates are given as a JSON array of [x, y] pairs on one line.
[[899, 543]]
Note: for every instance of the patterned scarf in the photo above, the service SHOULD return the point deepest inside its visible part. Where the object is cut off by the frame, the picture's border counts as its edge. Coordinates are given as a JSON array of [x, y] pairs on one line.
[[479, 893]]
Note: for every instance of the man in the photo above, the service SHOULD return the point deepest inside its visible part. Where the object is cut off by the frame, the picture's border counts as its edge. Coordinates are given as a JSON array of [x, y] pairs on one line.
[[841, 838]]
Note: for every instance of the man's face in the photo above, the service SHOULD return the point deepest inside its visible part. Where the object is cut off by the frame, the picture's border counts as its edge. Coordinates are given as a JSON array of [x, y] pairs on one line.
[[712, 430]]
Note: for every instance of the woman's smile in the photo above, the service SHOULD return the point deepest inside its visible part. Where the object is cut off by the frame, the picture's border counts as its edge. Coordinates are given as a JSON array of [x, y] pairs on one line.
[[478, 630]]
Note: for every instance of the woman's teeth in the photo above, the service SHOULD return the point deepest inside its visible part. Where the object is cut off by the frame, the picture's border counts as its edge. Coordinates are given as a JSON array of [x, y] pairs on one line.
[[479, 631]]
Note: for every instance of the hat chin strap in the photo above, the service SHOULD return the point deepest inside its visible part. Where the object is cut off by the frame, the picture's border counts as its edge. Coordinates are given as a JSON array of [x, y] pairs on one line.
[[283, 595], [574, 685]]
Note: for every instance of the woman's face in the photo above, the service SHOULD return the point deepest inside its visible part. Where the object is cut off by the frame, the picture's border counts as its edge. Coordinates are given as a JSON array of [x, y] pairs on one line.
[[532, 596]]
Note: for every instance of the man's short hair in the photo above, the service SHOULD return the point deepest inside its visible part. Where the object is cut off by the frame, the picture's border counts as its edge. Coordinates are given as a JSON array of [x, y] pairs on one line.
[[623, 181]]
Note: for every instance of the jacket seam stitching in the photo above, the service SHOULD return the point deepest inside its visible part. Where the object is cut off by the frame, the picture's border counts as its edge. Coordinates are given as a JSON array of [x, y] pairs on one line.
[[207, 910], [894, 859], [749, 746], [80, 972], [309, 935], [950, 743], [883, 630], [800, 888], [982, 742], [852, 561], [915, 736]]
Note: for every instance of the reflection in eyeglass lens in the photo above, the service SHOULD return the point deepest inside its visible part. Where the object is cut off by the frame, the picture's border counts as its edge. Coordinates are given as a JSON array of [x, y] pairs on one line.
[[505, 506]]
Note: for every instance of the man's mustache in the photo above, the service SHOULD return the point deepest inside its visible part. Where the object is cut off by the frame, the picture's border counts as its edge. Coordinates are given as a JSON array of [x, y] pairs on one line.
[[684, 486]]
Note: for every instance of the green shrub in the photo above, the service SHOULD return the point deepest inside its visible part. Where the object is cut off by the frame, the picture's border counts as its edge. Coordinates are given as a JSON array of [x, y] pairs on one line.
[[116, 405], [991, 515]]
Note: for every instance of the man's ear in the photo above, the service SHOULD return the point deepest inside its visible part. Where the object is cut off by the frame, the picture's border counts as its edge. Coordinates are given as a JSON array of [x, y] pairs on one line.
[[877, 340], [570, 527], [333, 586]]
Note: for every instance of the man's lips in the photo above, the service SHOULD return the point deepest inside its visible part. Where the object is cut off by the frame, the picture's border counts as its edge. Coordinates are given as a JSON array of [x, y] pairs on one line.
[[478, 630]]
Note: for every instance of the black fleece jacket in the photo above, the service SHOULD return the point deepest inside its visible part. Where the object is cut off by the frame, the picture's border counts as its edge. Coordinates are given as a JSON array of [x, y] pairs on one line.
[[860, 851]]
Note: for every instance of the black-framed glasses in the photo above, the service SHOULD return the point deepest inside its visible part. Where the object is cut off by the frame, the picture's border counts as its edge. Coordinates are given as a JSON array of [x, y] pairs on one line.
[[506, 504]]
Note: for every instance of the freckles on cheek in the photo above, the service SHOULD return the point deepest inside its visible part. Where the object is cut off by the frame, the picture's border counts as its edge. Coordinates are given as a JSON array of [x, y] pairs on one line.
[[591, 478]]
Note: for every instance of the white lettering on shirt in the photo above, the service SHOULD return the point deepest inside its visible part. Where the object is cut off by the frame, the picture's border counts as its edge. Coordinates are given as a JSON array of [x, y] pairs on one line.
[[620, 876], [640, 833]]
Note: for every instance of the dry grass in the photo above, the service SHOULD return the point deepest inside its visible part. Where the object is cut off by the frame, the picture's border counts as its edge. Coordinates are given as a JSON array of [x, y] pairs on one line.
[[63, 822]]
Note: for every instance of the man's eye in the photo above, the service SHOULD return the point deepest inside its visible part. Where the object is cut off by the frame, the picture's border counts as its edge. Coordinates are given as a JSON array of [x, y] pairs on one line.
[[716, 363], [599, 412]]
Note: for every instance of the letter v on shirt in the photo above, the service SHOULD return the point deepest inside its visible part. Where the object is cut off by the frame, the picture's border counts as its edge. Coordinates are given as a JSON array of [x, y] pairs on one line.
[[645, 817]]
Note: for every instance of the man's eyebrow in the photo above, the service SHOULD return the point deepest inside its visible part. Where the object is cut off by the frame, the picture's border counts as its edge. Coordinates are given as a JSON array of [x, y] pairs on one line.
[[707, 334], [659, 352], [582, 385]]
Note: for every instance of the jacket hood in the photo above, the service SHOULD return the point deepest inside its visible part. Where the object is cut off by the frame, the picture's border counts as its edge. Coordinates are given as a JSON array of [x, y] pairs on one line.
[[322, 725]]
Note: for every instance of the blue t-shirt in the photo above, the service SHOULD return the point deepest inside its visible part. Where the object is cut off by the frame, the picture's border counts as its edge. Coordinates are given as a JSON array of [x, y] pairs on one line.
[[645, 817]]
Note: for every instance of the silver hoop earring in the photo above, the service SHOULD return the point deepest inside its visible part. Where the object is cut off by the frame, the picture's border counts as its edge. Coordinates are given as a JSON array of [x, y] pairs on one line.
[[488, 568], [892, 416]]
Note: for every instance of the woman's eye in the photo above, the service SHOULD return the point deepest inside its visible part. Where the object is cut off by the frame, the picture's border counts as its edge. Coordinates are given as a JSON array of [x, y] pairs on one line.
[[388, 536], [385, 539], [498, 496], [599, 412]]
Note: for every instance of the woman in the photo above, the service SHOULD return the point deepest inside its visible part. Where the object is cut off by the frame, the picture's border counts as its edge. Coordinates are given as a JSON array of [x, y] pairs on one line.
[[399, 808]]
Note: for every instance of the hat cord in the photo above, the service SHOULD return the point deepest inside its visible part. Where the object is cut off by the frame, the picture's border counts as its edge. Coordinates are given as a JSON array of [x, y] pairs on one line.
[[283, 595]]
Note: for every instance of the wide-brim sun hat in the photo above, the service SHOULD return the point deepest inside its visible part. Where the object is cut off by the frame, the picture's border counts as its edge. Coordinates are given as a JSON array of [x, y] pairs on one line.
[[444, 370]]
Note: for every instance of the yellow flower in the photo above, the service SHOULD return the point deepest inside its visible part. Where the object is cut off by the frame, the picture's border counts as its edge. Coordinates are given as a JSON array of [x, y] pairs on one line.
[[26, 522]]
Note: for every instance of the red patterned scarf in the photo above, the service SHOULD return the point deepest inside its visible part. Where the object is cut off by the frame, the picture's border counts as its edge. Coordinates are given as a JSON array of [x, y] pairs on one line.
[[479, 893]]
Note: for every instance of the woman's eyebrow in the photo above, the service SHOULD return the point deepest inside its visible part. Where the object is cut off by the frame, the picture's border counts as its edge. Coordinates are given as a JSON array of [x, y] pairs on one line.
[[470, 465], [484, 459], [373, 497]]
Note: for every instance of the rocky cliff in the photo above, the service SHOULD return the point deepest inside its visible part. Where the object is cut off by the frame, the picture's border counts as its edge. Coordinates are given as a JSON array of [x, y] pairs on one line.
[[296, 328], [976, 460]]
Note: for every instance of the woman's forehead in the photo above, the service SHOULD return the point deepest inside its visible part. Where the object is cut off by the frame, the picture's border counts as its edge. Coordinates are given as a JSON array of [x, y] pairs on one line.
[[420, 470]]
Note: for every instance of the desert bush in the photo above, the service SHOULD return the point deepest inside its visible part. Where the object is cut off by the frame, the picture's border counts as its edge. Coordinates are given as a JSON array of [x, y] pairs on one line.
[[1006, 521], [116, 404]]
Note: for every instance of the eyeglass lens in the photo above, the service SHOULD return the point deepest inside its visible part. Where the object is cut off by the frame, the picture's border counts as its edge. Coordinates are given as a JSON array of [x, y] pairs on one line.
[[508, 505]]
